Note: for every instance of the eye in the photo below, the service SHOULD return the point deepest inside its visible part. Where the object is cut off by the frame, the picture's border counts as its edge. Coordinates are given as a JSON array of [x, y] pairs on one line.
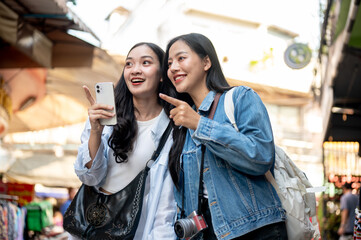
[[146, 62], [128, 64], [180, 58], [169, 64]]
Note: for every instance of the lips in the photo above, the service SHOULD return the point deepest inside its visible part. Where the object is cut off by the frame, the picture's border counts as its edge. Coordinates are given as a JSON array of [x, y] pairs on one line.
[[137, 81]]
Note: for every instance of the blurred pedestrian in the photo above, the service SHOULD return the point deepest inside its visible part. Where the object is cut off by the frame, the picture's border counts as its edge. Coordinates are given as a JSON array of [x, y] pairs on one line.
[[348, 204], [65, 205], [57, 217]]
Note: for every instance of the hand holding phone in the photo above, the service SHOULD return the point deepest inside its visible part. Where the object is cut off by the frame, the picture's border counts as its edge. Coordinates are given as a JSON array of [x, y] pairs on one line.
[[104, 92]]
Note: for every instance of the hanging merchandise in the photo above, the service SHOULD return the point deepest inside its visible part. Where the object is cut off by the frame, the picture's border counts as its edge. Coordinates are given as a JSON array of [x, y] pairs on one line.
[[341, 160], [12, 218]]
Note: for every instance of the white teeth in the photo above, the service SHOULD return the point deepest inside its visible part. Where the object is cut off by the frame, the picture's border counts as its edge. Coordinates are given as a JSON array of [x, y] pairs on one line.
[[137, 80]]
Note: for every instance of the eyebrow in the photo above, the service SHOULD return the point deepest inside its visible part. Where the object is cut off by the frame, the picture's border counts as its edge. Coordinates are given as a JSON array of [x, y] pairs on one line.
[[179, 53], [142, 57]]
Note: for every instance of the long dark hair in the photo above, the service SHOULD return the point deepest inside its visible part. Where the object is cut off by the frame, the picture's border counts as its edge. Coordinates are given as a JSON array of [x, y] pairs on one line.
[[124, 133], [215, 81]]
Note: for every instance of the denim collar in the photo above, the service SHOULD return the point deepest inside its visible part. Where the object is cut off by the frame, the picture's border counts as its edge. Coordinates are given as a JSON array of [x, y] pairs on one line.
[[207, 103], [203, 110]]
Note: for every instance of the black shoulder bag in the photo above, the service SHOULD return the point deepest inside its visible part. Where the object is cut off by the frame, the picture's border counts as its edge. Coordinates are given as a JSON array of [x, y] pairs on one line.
[[94, 215]]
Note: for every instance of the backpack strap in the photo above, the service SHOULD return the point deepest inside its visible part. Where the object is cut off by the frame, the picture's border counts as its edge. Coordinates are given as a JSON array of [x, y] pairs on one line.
[[229, 107], [272, 180]]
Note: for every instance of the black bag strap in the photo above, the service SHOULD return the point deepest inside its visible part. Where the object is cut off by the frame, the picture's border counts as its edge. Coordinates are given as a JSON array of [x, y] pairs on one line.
[[203, 148], [162, 141]]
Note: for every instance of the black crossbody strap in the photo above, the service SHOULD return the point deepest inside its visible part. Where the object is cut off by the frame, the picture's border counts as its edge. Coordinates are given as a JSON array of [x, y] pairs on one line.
[[162, 141], [203, 148]]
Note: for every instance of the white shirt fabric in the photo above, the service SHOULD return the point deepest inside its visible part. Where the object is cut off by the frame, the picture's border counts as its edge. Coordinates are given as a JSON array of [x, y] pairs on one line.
[[120, 175], [159, 207]]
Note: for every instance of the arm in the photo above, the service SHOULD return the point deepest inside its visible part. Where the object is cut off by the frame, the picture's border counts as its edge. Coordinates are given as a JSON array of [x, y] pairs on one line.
[[95, 112], [344, 217], [92, 149], [93, 146], [251, 150], [91, 171], [344, 214]]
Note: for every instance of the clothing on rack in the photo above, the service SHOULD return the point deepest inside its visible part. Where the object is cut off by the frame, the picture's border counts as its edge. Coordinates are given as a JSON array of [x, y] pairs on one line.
[[12, 219]]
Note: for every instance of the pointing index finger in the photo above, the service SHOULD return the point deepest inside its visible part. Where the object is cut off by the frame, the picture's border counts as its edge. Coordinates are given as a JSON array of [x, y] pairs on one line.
[[171, 100], [88, 95]]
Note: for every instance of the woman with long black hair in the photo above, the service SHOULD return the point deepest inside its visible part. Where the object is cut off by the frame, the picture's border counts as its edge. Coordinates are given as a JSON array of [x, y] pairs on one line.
[[236, 199], [110, 157]]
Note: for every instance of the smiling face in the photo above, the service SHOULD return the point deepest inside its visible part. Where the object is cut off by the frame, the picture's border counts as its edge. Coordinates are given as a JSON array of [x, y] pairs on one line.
[[142, 72], [186, 69]]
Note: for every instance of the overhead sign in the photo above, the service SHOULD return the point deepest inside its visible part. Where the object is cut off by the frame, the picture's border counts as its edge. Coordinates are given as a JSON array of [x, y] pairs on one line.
[[297, 55]]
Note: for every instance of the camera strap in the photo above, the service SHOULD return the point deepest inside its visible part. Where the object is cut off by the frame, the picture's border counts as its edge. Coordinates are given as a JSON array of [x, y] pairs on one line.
[[203, 148], [200, 188]]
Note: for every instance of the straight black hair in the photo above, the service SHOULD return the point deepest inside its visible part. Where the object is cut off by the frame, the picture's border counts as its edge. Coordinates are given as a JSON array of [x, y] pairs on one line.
[[215, 81]]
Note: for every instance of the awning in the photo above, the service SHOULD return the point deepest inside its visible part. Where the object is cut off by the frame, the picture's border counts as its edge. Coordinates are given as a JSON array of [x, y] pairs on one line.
[[65, 102], [40, 33], [40, 36], [46, 169], [275, 95], [342, 78]]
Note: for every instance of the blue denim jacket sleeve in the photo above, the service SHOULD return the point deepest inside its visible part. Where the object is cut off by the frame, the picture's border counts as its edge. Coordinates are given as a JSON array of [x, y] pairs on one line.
[[251, 150], [97, 173]]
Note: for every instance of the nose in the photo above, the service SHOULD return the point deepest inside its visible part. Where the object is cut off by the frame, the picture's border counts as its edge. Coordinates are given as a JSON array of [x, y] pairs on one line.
[[174, 66], [136, 69]]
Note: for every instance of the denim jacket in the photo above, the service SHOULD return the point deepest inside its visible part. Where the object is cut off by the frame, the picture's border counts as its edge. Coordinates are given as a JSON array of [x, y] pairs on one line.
[[239, 196], [160, 208]]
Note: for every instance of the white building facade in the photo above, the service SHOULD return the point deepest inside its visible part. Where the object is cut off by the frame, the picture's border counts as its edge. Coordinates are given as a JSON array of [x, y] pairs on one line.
[[251, 39]]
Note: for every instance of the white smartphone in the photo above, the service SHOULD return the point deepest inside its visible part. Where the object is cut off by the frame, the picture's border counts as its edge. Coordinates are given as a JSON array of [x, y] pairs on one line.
[[104, 92]]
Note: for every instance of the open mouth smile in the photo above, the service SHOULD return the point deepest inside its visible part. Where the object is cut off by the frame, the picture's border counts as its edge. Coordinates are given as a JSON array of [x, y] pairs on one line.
[[179, 78], [137, 81]]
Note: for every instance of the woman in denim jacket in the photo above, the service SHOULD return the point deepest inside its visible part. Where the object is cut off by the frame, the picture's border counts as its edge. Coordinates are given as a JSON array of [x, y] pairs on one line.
[[237, 201], [112, 156]]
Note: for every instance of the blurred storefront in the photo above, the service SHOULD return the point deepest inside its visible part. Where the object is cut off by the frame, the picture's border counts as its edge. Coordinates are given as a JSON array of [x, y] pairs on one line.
[[47, 48], [342, 163], [47, 54], [340, 54], [340, 102]]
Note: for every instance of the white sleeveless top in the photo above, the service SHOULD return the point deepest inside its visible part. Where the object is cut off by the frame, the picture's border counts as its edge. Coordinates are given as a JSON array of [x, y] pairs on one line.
[[121, 174]]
